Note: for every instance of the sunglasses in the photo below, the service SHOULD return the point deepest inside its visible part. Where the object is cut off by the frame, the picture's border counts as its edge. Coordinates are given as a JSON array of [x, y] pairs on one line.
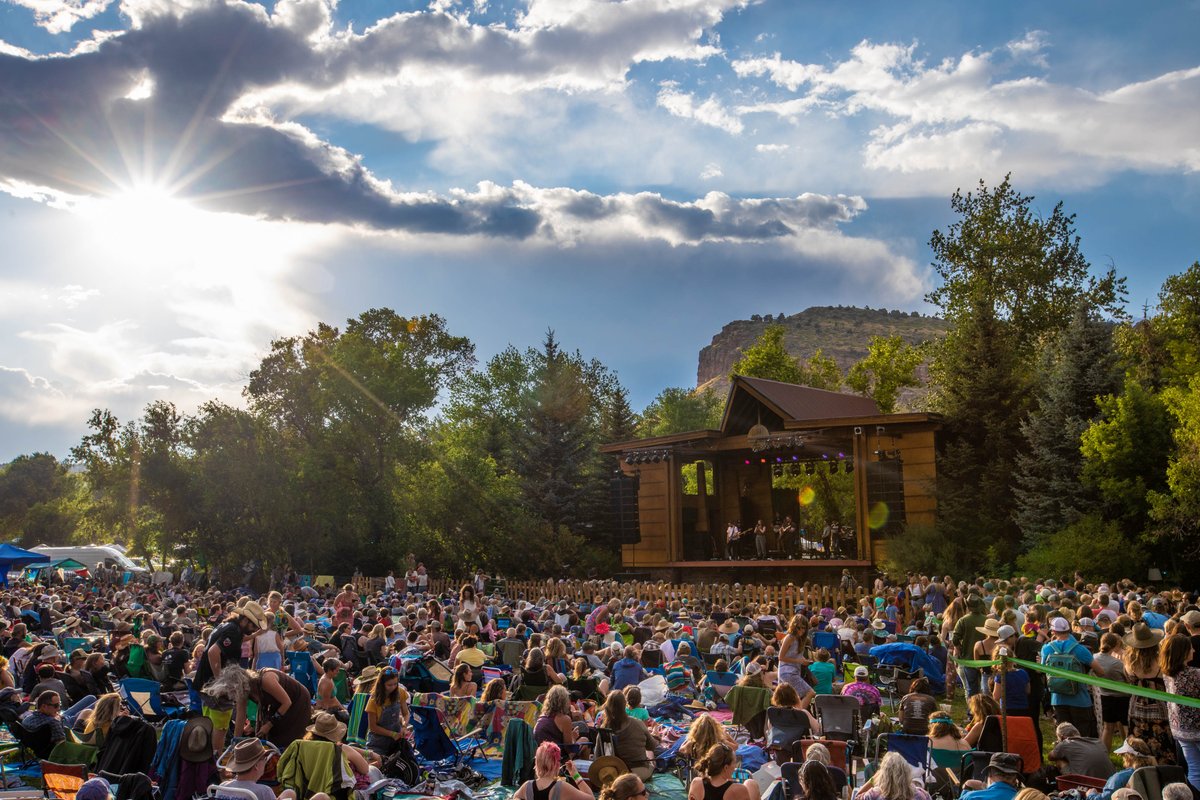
[[389, 672]]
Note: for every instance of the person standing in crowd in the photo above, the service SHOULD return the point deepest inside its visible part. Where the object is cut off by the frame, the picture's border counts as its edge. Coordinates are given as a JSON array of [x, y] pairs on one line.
[[224, 649], [967, 632], [1114, 705], [1148, 717], [1182, 679], [1070, 700]]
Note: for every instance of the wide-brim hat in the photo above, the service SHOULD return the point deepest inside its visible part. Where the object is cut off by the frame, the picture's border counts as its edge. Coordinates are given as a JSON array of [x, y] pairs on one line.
[[368, 675], [254, 612], [50, 654], [728, 626], [326, 726], [879, 625], [195, 743], [605, 770], [662, 625], [989, 628], [1143, 636], [1006, 763], [246, 754]]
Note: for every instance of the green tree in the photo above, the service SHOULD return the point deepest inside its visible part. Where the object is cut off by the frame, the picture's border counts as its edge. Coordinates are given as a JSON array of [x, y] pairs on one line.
[[1126, 452], [678, 410], [768, 358], [1077, 368], [1025, 268], [1090, 545], [39, 500], [889, 366], [1176, 509], [820, 372], [618, 422]]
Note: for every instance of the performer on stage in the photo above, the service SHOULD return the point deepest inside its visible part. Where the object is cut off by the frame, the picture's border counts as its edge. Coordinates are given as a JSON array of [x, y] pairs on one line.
[[732, 534]]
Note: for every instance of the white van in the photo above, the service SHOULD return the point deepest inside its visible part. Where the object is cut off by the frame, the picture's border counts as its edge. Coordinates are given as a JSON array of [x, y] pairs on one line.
[[92, 556]]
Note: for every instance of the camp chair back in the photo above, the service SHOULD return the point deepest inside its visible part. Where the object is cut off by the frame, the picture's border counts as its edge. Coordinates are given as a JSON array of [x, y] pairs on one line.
[[144, 698], [489, 674], [785, 728], [830, 641], [721, 682], [754, 722], [304, 752], [914, 749], [76, 643], [38, 743], [790, 773], [63, 780], [839, 716], [356, 729], [710, 659], [652, 658], [1149, 781], [1022, 739], [429, 736], [767, 628], [947, 759], [974, 763], [301, 666], [70, 751], [839, 752]]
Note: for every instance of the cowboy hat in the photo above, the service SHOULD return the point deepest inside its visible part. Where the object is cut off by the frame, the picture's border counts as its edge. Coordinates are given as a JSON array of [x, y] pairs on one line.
[[195, 743], [879, 625], [368, 675], [326, 726], [246, 754], [1143, 636], [662, 625], [254, 612], [989, 628], [728, 626], [605, 770]]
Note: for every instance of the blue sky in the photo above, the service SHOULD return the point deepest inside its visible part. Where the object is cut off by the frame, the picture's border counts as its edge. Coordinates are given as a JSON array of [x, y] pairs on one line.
[[183, 180]]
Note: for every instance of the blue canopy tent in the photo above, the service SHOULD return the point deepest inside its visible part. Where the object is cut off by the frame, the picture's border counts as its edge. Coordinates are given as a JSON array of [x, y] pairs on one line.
[[12, 557], [911, 657]]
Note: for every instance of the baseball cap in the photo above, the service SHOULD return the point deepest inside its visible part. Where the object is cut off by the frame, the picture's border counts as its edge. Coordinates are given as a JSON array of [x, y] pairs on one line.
[[1192, 619], [861, 672], [1006, 632], [1060, 625], [1126, 749]]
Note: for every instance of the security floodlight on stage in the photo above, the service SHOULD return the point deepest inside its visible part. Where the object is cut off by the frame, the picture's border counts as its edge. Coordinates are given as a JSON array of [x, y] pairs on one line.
[[794, 470], [777, 470], [810, 468], [848, 467], [629, 458], [833, 468]]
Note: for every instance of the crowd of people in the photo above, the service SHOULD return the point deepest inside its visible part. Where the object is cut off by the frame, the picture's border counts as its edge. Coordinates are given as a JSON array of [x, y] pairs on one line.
[[65, 649]]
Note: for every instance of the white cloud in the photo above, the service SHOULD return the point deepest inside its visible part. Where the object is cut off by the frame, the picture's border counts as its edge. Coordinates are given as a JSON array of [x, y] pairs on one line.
[[771, 148], [59, 16], [74, 294], [965, 113], [711, 171], [708, 112], [1030, 47]]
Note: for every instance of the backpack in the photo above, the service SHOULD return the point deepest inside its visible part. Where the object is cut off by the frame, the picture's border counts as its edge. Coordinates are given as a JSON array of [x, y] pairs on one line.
[[402, 764], [1065, 661]]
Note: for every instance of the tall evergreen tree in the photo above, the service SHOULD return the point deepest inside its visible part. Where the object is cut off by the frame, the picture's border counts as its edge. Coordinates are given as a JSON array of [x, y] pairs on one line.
[[1076, 369]]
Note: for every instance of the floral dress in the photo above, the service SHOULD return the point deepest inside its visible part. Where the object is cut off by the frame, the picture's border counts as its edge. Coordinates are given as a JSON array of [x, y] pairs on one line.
[[1148, 720]]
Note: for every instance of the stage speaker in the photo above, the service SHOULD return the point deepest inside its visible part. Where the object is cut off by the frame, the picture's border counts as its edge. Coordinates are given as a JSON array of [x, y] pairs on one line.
[[623, 507]]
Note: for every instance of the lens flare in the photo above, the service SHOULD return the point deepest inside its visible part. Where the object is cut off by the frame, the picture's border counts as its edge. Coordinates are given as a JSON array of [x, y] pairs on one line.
[[807, 495], [877, 517]]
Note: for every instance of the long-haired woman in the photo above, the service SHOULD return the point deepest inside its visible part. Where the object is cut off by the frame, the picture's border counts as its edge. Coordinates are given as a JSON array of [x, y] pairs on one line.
[[715, 780], [387, 713], [546, 784], [792, 659], [893, 781], [461, 684]]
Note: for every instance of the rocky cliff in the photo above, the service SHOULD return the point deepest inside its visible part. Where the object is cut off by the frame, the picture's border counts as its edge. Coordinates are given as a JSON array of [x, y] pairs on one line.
[[841, 332]]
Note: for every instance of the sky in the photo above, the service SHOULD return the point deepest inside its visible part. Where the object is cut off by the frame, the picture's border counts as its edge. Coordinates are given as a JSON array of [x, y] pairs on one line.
[[182, 181]]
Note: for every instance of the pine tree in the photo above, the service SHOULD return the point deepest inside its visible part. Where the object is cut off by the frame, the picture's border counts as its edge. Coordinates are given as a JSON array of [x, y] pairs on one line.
[[1077, 368]]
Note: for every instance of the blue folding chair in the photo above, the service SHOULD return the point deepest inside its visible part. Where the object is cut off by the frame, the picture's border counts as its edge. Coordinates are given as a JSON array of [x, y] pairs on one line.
[[914, 749], [144, 699], [721, 683], [830, 642], [301, 667], [433, 742]]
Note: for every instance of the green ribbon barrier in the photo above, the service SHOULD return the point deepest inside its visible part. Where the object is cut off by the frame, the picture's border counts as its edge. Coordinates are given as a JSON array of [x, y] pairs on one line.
[[1089, 679]]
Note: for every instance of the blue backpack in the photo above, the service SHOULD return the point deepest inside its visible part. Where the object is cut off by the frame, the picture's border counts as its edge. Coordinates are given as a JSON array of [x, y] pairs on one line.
[[1064, 660]]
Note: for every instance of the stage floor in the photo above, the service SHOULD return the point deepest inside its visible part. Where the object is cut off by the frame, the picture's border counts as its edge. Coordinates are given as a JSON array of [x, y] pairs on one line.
[[779, 563]]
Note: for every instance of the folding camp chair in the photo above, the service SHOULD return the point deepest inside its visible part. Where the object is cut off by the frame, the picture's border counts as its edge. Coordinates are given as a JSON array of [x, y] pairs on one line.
[[512, 652], [721, 683], [1149, 781], [711, 659], [831, 642], [76, 643], [433, 742], [748, 712], [840, 756], [356, 729], [974, 765], [218, 792], [785, 728], [62, 781], [914, 749], [840, 716], [301, 667], [34, 745], [144, 699], [652, 658], [1021, 739]]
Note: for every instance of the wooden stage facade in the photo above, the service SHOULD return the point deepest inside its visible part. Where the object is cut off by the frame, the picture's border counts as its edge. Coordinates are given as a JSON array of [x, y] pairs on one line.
[[775, 437]]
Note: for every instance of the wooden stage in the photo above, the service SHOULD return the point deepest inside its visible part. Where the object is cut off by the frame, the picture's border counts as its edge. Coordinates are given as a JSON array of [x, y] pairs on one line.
[[799, 570]]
